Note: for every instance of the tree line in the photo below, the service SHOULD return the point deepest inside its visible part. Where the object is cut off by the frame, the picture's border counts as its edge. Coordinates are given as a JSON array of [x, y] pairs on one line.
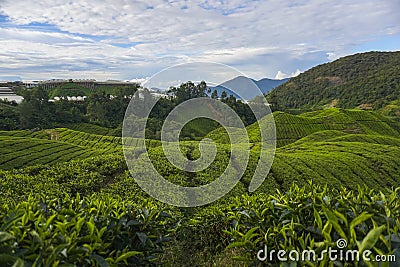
[[104, 109]]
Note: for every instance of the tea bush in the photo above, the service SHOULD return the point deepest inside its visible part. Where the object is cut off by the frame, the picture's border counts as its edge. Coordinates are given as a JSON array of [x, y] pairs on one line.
[[89, 231], [314, 218]]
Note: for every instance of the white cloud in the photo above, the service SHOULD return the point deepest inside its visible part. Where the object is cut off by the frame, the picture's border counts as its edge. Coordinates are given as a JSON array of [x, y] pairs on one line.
[[140, 81], [296, 73], [280, 75], [258, 37]]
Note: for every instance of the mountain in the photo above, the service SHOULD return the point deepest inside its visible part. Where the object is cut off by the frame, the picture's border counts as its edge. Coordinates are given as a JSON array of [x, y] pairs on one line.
[[366, 80], [266, 85], [246, 88]]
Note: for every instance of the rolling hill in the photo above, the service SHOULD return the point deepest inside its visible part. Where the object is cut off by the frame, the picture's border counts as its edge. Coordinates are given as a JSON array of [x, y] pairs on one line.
[[23, 148], [20, 152], [78, 176], [339, 141], [366, 80], [332, 146], [290, 128]]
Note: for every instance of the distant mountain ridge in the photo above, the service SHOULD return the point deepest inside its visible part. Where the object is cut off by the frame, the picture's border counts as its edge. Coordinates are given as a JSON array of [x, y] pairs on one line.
[[367, 80], [246, 88]]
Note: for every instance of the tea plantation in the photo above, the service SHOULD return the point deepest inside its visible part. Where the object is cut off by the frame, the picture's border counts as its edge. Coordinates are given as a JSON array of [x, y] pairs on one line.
[[67, 198]]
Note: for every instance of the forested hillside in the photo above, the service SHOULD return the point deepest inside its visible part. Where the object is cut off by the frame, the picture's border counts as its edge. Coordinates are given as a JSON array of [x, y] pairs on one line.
[[367, 80]]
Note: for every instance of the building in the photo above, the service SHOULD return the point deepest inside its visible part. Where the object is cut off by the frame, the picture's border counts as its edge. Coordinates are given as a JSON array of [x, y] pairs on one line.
[[30, 84], [7, 94], [87, 83], [69, 98], [4, 83], [53, 83]]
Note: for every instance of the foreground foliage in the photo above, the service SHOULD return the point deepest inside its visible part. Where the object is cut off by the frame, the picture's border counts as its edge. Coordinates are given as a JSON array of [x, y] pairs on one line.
[[105, 230], [75, 231], [91, 212], [315, 219]]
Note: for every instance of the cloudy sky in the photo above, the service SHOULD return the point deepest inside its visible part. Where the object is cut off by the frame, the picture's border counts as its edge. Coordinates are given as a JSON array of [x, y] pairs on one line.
[[125, 39]]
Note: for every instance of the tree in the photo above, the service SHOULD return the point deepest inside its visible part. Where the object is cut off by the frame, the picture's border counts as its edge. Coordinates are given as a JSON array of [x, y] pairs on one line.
[[68, 111], [8, 116], [214, 94], [35, 109], [188, 91], [97, 108], [223, 95]]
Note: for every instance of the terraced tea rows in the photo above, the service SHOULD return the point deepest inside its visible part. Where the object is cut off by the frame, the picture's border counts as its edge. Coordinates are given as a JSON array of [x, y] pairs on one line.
[[339, 136], [92, 129], [103, 142], [21, 151], [336, 150], [26, 133], [22, 148], [337, 163], [290, 128]]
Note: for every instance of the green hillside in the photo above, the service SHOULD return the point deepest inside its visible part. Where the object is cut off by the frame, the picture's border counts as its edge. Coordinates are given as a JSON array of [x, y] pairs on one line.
[[79, 189], [369, 80], [290, 128], [22, 148], [301, 138], [92, 129], [17, 152], [73, 89], [333, 157], [69, 89], [103, 143], [198, 128], [342, 161]]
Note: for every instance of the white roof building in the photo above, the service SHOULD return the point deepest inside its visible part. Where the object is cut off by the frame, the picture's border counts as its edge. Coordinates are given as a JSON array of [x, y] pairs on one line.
[[7, 94]]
